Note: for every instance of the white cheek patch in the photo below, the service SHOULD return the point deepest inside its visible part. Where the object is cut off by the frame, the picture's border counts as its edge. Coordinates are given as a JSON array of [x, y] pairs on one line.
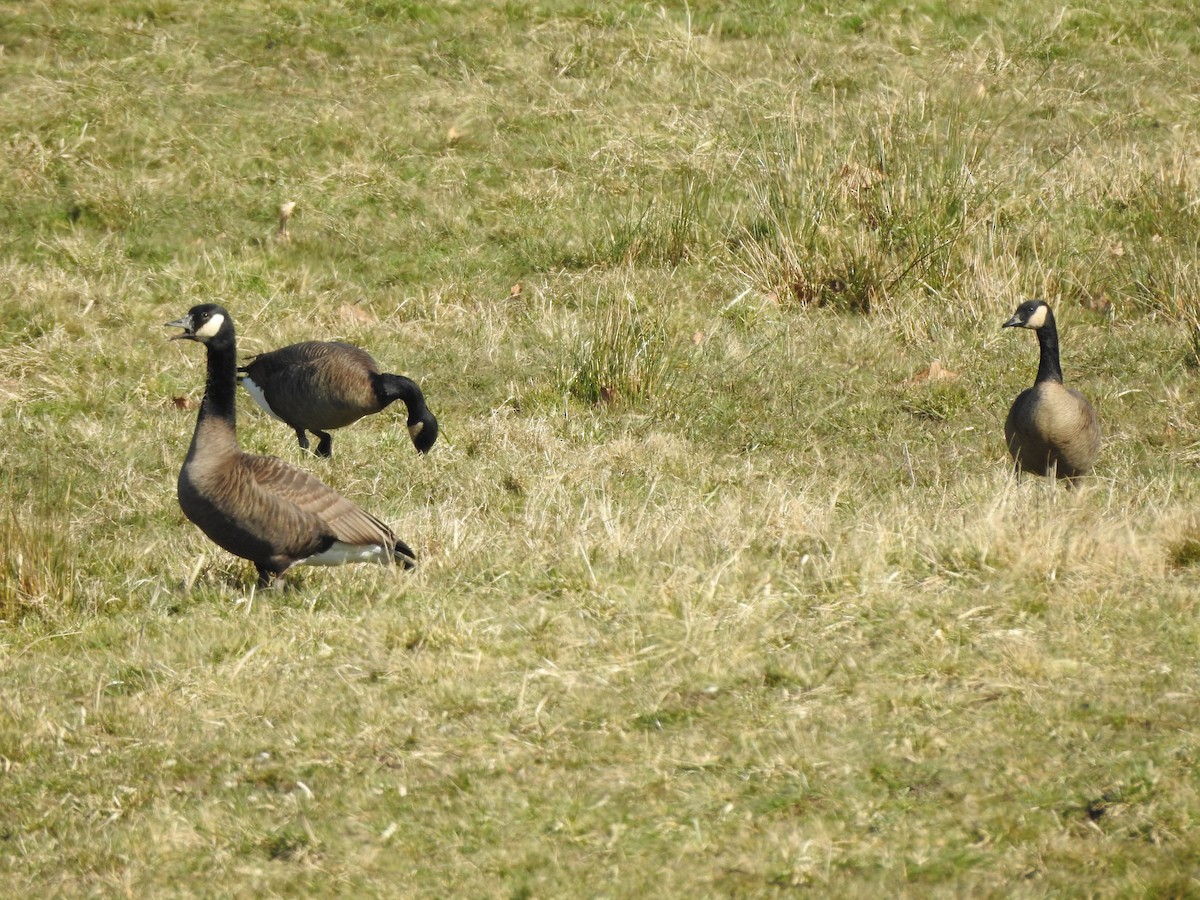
[[257, 395], [414, 430], [340, 553], [1038, 319], [210, 328]]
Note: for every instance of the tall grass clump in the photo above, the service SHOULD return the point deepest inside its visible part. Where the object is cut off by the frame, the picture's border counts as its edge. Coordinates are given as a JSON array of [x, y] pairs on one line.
[[662, 219], [622, 353], [37, 573], [665, 226], [865, 216]]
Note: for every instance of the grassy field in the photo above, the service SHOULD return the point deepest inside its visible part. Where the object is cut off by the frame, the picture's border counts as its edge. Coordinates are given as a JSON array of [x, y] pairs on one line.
[[722, 592]]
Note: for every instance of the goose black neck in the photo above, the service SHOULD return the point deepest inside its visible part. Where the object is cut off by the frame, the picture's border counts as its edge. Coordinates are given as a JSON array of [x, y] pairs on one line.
[[389, 388], [1049, 368], [220, 389]]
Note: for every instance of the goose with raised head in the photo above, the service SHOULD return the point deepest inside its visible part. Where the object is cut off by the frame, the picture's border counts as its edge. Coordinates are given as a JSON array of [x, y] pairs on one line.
[[318, 386], [259, 507], [1051, 429]]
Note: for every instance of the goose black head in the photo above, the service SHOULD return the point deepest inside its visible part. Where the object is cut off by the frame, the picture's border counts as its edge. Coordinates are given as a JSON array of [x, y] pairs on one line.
[[1030, 314], [203, 323], [423, 429]]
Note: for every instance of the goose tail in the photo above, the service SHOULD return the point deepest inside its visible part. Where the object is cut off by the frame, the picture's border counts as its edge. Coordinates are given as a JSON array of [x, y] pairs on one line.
[[404, 555]]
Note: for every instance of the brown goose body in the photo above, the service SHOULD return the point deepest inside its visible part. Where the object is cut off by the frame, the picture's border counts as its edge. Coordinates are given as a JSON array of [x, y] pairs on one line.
[[1051, 426], [318, 386], [1051, 429], [259, 507]]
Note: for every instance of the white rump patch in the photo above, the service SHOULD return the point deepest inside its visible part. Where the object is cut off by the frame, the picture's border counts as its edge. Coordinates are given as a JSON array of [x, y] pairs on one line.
[[210, 328], [257, 395], [340, 553], [1038, 319]]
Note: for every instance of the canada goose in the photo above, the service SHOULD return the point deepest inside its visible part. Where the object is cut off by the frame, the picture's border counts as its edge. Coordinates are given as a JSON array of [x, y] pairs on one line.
[[258, 507], [321, 385], [1051, 429]]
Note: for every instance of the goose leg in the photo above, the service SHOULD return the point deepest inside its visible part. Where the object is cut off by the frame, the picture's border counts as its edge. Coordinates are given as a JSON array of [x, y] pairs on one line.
[[302, 438], [325, 445]]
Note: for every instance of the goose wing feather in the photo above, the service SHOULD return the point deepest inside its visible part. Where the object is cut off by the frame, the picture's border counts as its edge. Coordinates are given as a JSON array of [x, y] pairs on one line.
[[348, 522]]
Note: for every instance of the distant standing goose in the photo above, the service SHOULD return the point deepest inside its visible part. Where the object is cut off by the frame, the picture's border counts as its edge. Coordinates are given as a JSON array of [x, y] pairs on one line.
[[258, 507], [1051, 429], [321, 385]]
